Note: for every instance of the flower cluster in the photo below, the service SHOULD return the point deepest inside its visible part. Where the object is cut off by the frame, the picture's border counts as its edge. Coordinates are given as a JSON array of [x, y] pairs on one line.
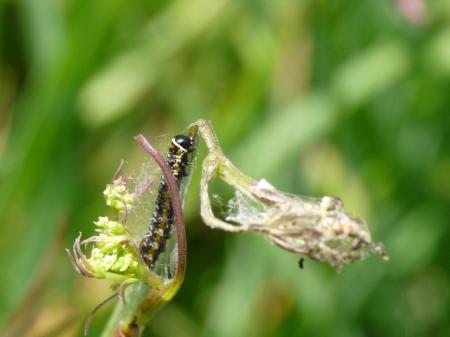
[[112, 252], [117, 196], [113, 255]]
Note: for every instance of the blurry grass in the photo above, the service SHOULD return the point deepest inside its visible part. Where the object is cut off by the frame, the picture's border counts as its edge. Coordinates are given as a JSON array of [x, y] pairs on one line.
[[339, 98]]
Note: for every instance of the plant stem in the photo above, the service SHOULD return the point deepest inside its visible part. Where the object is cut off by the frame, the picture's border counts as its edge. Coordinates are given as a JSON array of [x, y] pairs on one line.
[[217, 165]]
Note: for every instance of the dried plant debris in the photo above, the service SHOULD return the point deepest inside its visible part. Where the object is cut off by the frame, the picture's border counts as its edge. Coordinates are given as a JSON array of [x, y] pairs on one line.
[[319, 228]]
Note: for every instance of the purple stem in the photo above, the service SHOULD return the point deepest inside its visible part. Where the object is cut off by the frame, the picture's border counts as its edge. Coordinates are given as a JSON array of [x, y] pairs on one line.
[[176, 204]]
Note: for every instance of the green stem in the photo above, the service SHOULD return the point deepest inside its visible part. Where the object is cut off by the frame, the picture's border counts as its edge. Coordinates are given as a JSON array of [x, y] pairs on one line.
[[223, 168], [124, 313], [142, 303]]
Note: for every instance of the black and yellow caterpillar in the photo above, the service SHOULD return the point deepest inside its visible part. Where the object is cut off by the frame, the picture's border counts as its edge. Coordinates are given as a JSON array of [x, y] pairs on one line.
[[179, 159]]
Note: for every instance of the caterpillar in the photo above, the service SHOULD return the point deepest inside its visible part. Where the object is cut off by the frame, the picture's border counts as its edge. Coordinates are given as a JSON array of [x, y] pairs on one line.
[[179, 159]]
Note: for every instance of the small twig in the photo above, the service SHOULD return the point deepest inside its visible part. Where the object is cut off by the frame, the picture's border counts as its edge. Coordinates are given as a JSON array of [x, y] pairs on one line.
[[80, 258], [121, 291], [142, 189], [88, 323], [118, 170]]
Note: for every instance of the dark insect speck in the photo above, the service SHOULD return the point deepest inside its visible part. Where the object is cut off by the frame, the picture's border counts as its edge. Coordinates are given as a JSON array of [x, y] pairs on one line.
[[301, 263]]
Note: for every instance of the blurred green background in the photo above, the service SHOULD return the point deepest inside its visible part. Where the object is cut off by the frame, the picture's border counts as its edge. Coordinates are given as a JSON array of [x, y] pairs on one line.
[[344, 97]]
